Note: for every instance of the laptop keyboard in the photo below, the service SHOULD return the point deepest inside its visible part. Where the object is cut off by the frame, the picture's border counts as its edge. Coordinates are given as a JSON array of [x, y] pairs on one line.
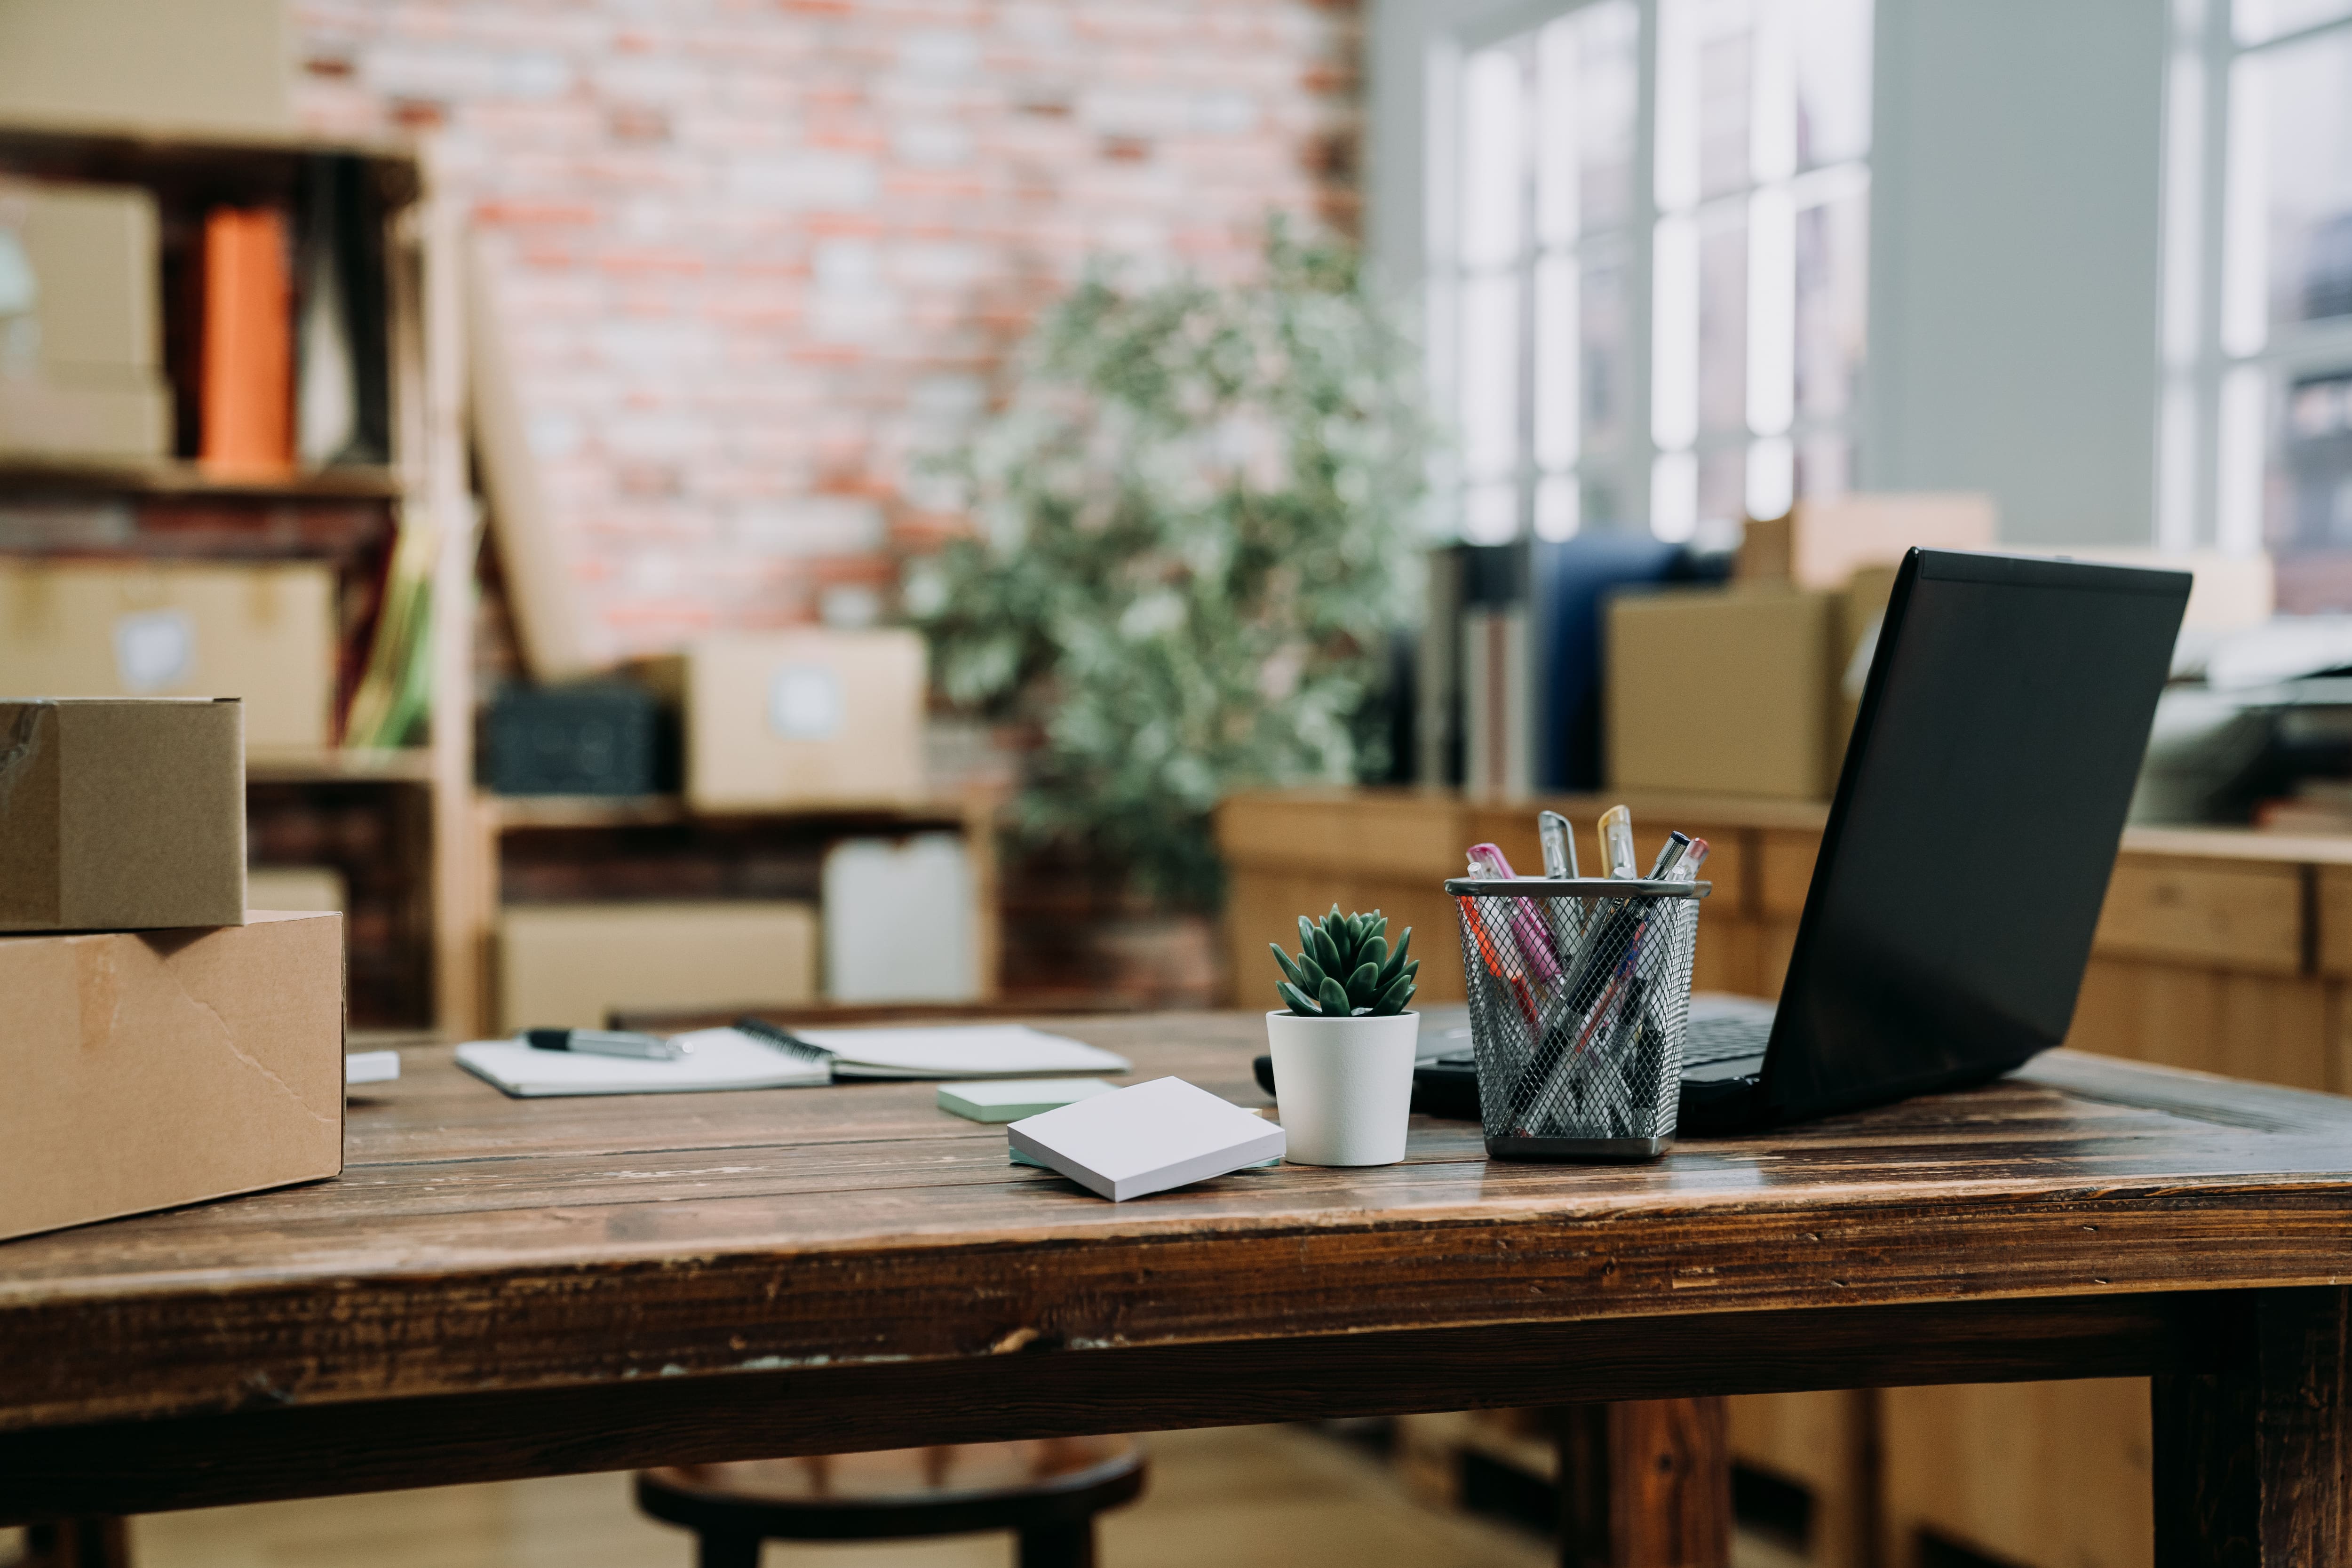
[[1708, 1040]]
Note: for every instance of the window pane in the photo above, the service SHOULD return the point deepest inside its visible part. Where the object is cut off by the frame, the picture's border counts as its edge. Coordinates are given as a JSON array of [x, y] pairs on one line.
[[1490, 375], [1557, 368], [1673, 333], [1824, 466], [1832, 42], [1494, 147], [1557, 506], [1771, 476], [1588, 78], [2256, 20], [1723, 485], [1490, 513], [1723, 321], [1832, 262], [2310, 520], [2291, 201], [1674, 495], [1606, 355], [1726, 46], [2318, 452]]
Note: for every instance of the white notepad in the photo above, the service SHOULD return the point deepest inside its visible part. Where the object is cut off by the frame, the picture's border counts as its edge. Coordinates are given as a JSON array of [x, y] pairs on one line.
[[720, 1058], [968, 1050], [1146, 1138]]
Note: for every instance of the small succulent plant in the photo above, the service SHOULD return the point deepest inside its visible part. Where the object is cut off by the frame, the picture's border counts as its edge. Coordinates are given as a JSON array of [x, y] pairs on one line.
[[1346, 969]]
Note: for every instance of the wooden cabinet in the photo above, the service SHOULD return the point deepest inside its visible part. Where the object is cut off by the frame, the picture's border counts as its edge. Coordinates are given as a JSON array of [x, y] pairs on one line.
[[2224, 950]]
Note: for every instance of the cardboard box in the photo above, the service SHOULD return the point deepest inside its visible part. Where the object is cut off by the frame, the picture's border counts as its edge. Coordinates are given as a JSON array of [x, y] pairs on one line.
[[146, 1069], [799, 718], [1721, 690], [95, 260], [262, 632], [120, 816], [1822, 541], [572, 966], [97, 420]]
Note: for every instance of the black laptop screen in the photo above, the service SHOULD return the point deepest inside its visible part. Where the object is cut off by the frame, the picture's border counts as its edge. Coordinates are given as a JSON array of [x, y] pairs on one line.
[[1975, 822]]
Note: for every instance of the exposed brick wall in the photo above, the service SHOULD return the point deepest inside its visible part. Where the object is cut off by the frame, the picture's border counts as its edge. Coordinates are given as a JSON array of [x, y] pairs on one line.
[[758, 257]]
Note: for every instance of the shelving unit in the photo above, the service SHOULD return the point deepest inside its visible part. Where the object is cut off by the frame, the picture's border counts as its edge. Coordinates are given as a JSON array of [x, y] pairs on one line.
[[497, 819], [423, 794]]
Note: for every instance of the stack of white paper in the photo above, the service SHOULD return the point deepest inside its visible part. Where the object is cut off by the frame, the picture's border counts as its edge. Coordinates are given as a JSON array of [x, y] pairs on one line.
[[1146, 1138]]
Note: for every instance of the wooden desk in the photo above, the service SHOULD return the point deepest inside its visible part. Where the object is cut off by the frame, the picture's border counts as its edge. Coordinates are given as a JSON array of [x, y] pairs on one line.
[[500, 1289]]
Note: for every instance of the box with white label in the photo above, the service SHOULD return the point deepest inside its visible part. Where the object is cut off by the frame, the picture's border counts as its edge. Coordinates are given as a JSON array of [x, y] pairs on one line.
[[806, 718], [264, 632]]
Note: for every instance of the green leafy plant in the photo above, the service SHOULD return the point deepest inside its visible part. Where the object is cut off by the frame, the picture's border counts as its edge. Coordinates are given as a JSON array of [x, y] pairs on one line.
[[1346, 969], [1194, 530]]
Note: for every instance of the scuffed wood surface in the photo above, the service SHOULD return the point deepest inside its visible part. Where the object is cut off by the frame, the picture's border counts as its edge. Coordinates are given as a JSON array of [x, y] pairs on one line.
[[477, 1244]]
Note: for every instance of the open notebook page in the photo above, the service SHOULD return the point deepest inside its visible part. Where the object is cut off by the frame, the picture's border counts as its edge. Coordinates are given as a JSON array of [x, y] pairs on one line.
[[720, 1058]]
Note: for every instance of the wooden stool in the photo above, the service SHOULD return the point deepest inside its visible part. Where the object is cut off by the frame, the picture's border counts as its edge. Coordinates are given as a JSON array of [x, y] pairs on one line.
[[1047, 1493]]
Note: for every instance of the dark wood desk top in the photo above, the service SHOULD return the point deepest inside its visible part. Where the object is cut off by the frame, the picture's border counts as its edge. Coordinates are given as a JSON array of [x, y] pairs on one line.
[[477, 1242]]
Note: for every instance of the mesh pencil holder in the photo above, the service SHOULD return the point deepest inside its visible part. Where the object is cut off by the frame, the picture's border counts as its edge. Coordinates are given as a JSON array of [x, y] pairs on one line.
[[1579, 998]]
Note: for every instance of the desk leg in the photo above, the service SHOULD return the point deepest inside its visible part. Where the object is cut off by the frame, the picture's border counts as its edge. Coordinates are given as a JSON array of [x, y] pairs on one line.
[[1645, 1484], [2253, 1463], [78, 1543]]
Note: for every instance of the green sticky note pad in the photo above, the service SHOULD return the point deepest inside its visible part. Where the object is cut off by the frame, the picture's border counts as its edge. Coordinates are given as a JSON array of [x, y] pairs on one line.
[[1010, 1100]]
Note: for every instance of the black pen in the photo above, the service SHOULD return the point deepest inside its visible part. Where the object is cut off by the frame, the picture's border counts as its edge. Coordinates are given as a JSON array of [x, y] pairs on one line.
[[605, 1043]]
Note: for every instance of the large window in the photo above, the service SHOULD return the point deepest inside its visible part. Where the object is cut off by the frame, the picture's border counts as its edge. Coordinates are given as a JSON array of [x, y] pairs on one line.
[[2256, 420], [1649, 230]]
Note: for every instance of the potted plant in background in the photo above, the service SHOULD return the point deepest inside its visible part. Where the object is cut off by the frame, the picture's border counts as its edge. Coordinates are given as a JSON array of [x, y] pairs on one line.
[[1343, 1047], [1194, 530]]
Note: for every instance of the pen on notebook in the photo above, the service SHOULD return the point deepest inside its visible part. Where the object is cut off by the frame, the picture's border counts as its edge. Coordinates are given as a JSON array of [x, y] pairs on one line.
[[605, 1043]]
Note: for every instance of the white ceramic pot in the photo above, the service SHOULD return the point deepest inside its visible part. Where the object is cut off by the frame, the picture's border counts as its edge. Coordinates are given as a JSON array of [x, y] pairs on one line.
[[1343, 1086]]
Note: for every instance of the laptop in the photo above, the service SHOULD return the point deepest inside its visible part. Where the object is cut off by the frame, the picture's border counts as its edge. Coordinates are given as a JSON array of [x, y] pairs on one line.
[[1967, 853], [1969, 844]]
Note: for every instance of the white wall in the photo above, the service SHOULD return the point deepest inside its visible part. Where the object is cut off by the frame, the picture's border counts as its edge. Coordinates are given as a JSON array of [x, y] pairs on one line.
[[2014, 239]]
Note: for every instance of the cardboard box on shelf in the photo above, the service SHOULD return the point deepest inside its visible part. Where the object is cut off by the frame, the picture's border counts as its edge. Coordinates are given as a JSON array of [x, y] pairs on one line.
[[95, 420], [1822, 539], [799, 719], [151, 1069], [572, 965], [79, 349], [264, 632], [1721, 690], [120, 815]]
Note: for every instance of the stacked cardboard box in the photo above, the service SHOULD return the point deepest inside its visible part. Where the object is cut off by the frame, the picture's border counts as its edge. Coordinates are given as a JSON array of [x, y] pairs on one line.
[[1752, 689], [164, 1044]]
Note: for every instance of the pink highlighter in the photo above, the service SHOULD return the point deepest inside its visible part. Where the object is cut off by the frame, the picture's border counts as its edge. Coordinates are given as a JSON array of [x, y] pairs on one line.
[[1528, 932]]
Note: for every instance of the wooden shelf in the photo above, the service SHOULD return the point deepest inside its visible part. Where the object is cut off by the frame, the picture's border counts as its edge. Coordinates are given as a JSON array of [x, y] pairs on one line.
[[527, 812], [76, 476], [411, 764], [233, 166]]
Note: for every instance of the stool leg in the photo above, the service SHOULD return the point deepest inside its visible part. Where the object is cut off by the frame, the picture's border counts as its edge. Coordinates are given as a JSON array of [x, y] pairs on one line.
[[1058, 1546], [727, 1551], [78, 1543]]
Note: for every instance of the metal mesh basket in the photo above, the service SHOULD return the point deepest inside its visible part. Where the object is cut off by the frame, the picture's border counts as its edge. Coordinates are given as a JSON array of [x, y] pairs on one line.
[[1580, 997]]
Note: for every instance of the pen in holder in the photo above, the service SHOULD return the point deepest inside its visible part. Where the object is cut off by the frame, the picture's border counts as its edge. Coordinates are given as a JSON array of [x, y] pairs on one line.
[[1580, 1056]]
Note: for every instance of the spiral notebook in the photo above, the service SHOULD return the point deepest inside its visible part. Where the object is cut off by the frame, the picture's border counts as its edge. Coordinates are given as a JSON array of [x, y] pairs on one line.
[[756, 1055]]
